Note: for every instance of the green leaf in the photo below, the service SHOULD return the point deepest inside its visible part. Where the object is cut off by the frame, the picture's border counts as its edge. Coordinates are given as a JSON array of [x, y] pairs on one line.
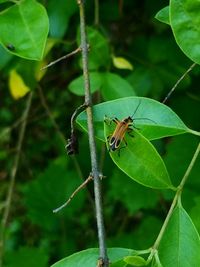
[[111, 85], [122, 63], [59, 16], [89, 257], [140, 161], [185, 20], [115, 86], [77, 85], [49, 191], [122, 190], [26, 37], [26, 256], [165, 121], [163, 15], [180, 245], [135, 260]]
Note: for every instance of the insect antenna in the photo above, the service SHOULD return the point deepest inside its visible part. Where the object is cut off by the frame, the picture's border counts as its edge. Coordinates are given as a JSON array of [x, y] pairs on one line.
[[136, 108]]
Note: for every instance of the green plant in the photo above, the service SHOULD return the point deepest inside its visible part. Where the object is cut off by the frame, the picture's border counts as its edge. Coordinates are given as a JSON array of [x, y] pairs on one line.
[[142, 63]]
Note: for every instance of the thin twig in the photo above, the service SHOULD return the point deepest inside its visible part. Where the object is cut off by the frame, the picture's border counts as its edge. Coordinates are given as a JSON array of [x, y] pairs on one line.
[[96, 12], [73, 194], [60, 134], [92, 144], [13, 175], [77, 50], [179, 80], [46, 107]]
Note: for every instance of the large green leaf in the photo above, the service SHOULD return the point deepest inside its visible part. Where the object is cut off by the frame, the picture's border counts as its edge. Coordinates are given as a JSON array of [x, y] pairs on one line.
[[89, 257], [140, 161], [24, 28], [185, 21], [165, 121], [180, 245]]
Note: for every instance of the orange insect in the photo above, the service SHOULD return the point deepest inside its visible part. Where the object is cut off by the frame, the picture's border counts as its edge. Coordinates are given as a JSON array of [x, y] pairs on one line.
[[123, 126]]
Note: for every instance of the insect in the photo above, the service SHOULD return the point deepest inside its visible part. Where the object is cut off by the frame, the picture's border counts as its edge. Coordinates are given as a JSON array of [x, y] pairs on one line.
[[122, 127]]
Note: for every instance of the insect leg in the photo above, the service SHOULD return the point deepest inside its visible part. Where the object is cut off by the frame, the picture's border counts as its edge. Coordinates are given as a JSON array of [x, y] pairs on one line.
[[122, 147], [108, 120], [129, 131]]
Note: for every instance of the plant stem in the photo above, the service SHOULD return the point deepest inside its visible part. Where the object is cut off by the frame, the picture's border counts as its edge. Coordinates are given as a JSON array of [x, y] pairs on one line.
[[96, 12], [77, 50], [176, 197], [13, 175], [179, 80], [92, 144]]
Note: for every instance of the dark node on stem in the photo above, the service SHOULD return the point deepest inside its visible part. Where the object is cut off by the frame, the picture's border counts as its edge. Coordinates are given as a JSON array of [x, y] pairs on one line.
[[10, 47], [103, 262], [72, 146]]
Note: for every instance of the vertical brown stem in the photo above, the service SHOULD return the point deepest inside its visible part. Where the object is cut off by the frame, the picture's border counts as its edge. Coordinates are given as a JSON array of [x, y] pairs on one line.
[[94, 164]]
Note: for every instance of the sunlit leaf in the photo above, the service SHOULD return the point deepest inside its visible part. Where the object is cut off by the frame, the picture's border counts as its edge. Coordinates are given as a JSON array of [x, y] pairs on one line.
[[122, 63], [17, 86]]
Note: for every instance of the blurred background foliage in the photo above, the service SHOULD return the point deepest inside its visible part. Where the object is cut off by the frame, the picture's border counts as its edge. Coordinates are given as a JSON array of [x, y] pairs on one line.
[[46, 176]]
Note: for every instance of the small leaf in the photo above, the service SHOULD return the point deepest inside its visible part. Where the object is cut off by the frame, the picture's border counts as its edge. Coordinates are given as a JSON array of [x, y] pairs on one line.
[[89, 257], [165, 121], [114, 86], [163, 15], [77, 85], [122, 63], [185, 20], [140, 161], [30, 29], [180, 244], [135, 260], [17, 87]]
